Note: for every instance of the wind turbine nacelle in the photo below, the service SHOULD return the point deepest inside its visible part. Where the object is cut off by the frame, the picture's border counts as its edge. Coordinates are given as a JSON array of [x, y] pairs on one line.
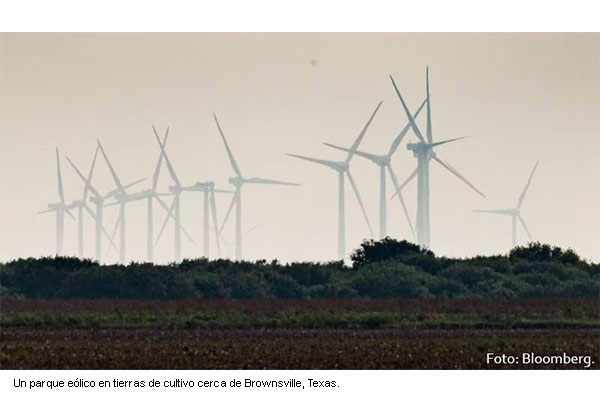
[[121, 196], [205, 185], [418, 147], [54, 206], [174, 189], [236, 181]]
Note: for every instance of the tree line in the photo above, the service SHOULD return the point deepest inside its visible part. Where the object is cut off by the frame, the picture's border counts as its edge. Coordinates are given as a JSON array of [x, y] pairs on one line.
[[385, 268]]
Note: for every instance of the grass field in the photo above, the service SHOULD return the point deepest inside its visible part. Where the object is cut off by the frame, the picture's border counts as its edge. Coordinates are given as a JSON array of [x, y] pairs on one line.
[[293, 334]]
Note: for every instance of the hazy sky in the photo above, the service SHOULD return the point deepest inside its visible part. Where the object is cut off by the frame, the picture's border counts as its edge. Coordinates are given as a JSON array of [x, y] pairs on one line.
[[521, 98]]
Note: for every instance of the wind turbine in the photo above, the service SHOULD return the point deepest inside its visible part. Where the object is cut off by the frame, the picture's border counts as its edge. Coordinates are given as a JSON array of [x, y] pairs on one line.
[[384, 162], [120, 196], [174, 211], [238, 181], [423, 152], [515, 213], [60, 209], [98, 216], [342, 168], [81, 204]]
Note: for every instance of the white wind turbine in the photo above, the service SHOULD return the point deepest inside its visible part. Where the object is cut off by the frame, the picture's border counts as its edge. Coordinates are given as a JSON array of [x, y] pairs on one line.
[[515, 213], [384, 162], [60, 209], [423, 152], [81, 205], [174, 211], [343, 170], [98, 215], [238, 182], [120, 196]]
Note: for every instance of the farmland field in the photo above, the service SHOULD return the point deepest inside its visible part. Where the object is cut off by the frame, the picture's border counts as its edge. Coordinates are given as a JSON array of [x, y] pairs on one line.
[[293, 334]]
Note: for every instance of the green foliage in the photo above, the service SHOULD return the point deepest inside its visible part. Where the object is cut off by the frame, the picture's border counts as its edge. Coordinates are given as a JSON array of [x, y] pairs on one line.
[[385, 249], [536, 251], [387, 268]]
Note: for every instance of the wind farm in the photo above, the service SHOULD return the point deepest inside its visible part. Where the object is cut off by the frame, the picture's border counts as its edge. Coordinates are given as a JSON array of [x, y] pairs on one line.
[[424, 151]]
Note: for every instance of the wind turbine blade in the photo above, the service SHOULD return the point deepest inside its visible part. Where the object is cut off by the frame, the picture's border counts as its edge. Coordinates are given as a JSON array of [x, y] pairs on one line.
[[226, 242], [61, 193], [504, 212], [110, 167], [110, 240], [411, 120], [159, 163], [69, 214], [164, 225], [249, 231], [114, 231], [86, 182], [46, 211], [360, 202], [213, 206], [429, 135], [161, 202], [89, 211], [457, 174], [233, 200], [133, 183], [522, 196], [362, 134], [525, 227], [187, 234], [407, 180], [234, 165], [359, 153], [327, 163], [401, 198], [91, 172], [166, 157], [447, 141], [270, 182], [404, 131]]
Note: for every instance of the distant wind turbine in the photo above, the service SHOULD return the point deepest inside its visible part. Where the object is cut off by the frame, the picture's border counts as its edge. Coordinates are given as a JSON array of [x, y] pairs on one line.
[[60, 209], [238, 181], [423, 152], [81, 205], [515, 213], [343, 170], [174, 211], [98, 215], [120, 196]]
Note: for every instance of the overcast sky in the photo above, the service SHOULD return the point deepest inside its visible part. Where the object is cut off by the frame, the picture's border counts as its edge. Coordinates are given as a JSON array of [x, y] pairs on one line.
[[520, 98]]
